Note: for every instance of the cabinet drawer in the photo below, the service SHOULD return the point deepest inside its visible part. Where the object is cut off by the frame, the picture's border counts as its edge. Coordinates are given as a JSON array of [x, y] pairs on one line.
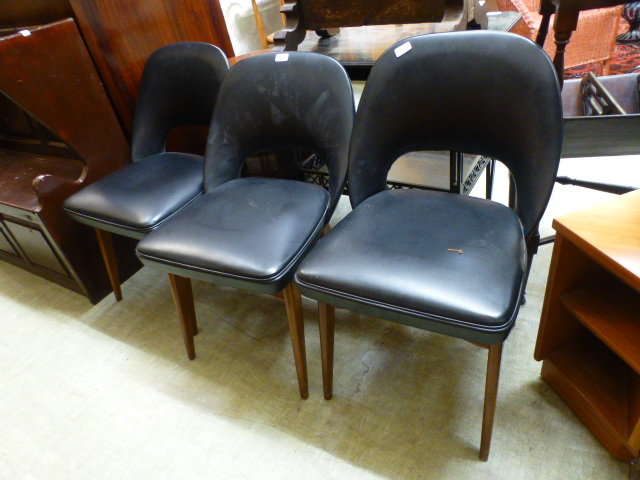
[[36, 247]]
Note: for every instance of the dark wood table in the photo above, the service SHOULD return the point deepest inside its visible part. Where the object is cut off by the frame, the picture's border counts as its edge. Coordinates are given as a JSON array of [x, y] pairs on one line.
[[357, 48]]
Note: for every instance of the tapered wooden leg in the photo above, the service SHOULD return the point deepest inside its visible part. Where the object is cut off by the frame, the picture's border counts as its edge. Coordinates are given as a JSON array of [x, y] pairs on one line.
[[490, 397], [293, 301], [183, 298], [327, 321], [109, 256]]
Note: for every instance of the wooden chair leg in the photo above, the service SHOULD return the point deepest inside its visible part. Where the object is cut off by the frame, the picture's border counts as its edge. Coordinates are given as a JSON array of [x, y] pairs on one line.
[[327, 322], [490, 397], [109, 256], [183, 298], [293, 301]]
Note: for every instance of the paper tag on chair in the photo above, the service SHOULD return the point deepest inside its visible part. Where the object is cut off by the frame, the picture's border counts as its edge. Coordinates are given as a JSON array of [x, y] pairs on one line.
[[402, 49], [282, 57]]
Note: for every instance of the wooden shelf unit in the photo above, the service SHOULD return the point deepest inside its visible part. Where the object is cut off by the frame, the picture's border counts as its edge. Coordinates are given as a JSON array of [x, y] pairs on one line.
[[589, 336]]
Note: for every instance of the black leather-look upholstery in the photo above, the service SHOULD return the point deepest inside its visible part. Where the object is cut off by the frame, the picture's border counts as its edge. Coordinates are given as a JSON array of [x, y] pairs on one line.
[[433, 260], [248, 233], [135, 200], [252, 233], [179, 86], [283, 107], [478, 92], [391, 258], [438, 261]]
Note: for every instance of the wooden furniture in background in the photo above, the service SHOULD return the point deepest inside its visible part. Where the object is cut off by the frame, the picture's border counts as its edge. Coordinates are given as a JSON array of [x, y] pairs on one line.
[[121, 34], [76, 138], [324, 15], [593, 40], [589, 337], [18, 13], [67, 108], [565, 23], [358, 48]]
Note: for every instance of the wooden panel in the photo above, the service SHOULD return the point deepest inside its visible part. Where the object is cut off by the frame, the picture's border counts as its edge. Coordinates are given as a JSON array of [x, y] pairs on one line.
[[353, 13], [50, 75], [634, 413], [18, 170], [570, 269], [611, 312], [610, 234], [121, 35], [594, 383], [35, 247], [14, 13]]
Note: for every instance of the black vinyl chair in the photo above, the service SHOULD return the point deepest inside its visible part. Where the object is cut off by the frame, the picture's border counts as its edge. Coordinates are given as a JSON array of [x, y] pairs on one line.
[[251, 233], [442, 262], [179, 87]]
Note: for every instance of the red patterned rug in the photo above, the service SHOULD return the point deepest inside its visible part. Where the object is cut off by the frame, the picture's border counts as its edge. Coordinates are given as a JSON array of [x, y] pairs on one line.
[[624, 60]]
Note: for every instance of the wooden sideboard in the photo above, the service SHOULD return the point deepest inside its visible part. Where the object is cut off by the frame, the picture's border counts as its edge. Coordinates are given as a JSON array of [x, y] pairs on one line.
[[589, 336], [68, 89], [59, 133]]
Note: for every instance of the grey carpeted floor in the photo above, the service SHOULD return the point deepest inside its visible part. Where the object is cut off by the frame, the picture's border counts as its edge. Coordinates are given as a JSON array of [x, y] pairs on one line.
[[107, 392]]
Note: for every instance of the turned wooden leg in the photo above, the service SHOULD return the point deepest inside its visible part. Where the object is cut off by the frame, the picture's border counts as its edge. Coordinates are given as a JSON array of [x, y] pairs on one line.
[[562, 40], [109, 256], [327, 322], [490, 396], [546, 10], [293, 301], [183, 298]]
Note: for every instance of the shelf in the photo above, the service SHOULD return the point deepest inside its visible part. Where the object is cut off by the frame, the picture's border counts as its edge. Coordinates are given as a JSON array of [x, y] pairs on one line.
[[595, 384], [19, 169], [612, 313]]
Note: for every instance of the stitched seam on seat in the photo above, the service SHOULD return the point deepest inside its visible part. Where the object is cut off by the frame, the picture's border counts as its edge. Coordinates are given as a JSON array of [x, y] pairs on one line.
[[127, 227], [408, 311]]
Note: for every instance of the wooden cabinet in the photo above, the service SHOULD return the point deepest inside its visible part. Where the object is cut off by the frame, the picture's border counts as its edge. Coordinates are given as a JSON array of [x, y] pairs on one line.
[[68, 89], [58, 133], [589, 337]]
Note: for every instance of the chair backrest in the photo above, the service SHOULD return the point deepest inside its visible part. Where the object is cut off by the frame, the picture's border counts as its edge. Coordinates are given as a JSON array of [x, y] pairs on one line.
[[296, 100], [179, 86], [488, 93]]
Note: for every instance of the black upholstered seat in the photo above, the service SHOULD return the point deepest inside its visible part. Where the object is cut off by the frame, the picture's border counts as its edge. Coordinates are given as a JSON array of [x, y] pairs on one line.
[[400, 252], [179, 87], [439, 261], [252, 233], [248, 232], [135, 200]]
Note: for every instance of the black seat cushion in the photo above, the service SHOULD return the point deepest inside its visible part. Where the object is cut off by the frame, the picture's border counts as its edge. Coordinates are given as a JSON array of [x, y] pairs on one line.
[[135, 200], [433, 260], [248, 233]]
